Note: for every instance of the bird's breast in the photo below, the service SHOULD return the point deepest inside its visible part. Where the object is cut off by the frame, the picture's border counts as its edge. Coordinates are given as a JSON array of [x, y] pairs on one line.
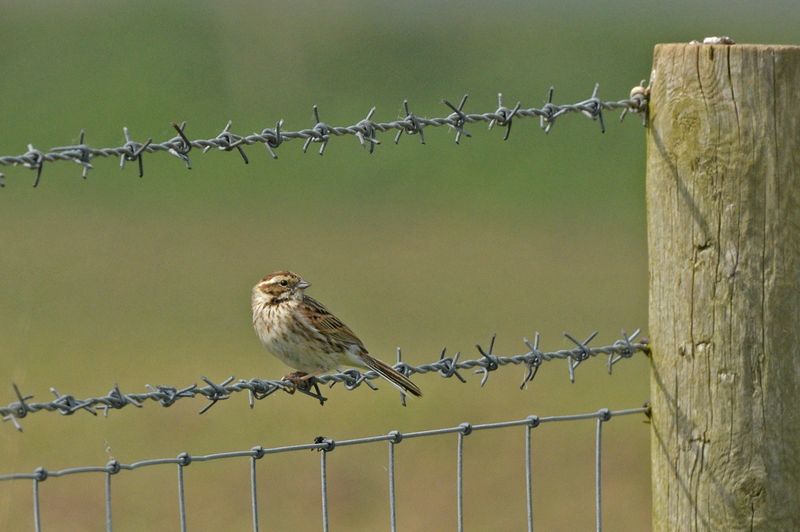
[[297, 344]]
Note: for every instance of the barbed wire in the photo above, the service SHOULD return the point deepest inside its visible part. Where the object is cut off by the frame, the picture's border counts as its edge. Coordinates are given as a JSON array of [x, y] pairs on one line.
[[325, 446], [258, 389], [365, 130]]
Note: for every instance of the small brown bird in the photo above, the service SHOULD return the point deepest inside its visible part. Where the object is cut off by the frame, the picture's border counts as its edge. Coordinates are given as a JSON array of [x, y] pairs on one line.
[[306, 336]]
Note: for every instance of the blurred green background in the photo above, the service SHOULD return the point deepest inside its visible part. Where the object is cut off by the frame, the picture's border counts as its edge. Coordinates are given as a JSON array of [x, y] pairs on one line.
[[129, 281]]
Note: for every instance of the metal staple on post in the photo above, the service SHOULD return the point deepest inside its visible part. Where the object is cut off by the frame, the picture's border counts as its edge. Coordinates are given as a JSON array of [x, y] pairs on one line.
[[364, 130], [258, 389], [325, 446]]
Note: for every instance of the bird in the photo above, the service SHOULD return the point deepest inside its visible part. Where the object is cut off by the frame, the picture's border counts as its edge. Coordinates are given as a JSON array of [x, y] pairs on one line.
[[306, 336]]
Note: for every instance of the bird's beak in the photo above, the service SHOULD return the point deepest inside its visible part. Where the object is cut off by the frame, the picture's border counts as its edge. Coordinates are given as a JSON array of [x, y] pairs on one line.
[[303, 284]]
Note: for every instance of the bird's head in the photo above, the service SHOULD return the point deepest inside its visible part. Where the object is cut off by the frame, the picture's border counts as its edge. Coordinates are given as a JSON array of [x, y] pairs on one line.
[[278, 287]]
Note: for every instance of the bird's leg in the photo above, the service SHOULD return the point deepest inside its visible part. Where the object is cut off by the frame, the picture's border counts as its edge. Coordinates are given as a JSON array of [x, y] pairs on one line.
[[297, 378]]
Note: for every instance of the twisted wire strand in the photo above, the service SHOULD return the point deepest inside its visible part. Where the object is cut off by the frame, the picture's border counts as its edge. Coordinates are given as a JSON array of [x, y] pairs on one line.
[[258, 389], [364, 130], [321, 444]]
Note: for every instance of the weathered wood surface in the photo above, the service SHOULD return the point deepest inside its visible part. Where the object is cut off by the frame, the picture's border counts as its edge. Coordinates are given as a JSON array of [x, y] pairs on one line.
[[723, 208]]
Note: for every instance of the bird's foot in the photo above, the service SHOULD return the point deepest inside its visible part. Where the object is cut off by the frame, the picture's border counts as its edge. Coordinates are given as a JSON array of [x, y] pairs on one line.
[[304, 383], [299, 379]]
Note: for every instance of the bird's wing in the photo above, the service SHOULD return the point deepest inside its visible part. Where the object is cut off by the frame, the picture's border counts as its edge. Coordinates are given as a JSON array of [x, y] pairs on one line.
[[328, 324]]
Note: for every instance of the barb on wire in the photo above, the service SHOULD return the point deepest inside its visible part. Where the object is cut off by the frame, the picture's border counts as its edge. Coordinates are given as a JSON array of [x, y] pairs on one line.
[[259, 389], [505, 115], [82, 153], [365, 131], [181, 145], [130, 151]]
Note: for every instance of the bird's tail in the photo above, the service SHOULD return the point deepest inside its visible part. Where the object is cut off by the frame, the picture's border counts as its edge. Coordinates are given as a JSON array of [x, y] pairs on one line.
[[399, 380]]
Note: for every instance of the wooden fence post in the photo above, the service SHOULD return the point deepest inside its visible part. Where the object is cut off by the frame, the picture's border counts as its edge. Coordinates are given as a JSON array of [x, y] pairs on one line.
[[723, 219]]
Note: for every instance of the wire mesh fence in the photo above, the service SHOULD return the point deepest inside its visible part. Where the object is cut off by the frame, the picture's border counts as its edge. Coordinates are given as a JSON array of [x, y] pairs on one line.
[[326, 446], [365, 130]]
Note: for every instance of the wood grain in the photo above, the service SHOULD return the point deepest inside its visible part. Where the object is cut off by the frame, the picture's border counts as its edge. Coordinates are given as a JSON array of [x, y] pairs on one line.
[[723, 203]]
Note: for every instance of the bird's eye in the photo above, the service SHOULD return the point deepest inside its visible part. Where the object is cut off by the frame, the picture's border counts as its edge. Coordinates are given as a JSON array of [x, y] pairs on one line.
[[284, 283]]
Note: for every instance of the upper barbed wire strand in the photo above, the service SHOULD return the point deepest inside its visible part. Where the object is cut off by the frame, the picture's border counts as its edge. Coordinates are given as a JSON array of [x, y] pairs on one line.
[[364, 130]]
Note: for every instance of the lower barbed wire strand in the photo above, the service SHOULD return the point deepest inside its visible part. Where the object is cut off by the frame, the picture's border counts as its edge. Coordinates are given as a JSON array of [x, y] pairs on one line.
[[260, 389]]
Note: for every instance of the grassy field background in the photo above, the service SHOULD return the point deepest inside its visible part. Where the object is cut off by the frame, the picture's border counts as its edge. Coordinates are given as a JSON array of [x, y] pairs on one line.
[[129, 281]]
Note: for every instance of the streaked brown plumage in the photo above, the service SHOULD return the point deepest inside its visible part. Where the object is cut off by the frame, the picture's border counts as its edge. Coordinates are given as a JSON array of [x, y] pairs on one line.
[[302, 333]]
